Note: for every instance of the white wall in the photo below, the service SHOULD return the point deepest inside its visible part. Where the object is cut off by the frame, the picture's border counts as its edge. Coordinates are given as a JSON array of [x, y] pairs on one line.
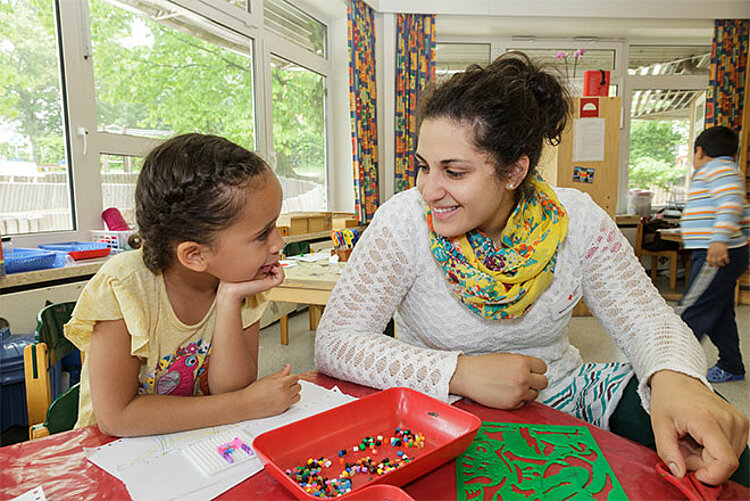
[[342, 189]]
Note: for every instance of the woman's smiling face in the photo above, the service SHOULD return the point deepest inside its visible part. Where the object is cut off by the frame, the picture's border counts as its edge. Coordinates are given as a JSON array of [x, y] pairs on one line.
[[459, 182]]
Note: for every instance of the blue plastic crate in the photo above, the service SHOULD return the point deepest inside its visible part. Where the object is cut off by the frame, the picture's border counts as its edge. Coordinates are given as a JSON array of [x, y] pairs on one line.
[[12, 387], [74, 246], [79, 250], [18, 260]]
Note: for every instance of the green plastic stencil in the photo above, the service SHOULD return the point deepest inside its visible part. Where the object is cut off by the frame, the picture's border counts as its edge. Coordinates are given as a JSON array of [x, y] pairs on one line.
[[533, 461]]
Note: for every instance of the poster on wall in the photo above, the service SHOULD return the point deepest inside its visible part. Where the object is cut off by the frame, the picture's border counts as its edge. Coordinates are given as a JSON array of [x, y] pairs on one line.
[[583, 174], [589, 107], [588, 139]]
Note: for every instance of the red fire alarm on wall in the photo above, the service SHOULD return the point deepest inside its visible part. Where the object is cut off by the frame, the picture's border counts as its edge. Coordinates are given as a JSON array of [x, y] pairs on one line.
[[596, 83]]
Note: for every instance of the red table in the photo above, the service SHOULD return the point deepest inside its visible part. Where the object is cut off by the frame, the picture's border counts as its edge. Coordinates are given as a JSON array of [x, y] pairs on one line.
[[58, 465]]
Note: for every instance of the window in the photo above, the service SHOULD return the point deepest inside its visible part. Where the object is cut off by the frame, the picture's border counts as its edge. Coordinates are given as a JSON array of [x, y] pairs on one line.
[[294, 25], [669, 60], [34, 176], [119, 176], [299, 139], [151, 69], [668, 85], [143, 45], [593, 59], [453, 58], [659, 144]]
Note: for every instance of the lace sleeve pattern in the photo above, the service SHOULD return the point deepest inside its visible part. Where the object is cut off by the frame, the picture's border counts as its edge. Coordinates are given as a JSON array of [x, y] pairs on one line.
[[622, 297], [350, 343]]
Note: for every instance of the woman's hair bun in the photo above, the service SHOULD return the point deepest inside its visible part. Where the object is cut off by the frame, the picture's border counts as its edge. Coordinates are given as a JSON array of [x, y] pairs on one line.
[[513, 106]]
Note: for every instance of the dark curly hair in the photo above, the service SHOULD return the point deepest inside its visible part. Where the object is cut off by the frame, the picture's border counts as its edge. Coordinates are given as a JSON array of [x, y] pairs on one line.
[[718, 141], [191, 187], [512, 104]]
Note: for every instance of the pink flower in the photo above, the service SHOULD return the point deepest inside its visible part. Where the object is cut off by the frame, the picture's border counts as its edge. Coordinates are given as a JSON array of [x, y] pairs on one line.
[[561, 55], [578, 54]]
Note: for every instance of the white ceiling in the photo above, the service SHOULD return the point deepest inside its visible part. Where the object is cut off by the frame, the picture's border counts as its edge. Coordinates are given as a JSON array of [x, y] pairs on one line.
[[668, 21], [699, 31]]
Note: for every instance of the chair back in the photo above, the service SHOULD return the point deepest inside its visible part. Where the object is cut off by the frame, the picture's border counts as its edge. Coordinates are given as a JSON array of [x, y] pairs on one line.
[[639, 239], [45, 360], [63, 413], [49, 330]]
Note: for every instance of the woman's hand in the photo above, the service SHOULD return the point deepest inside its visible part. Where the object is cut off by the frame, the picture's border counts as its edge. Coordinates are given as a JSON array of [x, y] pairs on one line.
[[237, 291], [272, 394], [695, 429], [501, 380]]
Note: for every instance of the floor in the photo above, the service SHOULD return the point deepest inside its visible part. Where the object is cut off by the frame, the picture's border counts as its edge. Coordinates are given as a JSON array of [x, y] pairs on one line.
[[585, 333]]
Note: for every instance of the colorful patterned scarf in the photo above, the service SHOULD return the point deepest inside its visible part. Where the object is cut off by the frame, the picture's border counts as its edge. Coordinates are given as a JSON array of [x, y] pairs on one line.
[[502, 283]]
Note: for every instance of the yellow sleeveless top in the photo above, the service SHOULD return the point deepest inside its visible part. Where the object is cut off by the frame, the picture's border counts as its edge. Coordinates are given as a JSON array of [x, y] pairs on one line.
[[174, 356]]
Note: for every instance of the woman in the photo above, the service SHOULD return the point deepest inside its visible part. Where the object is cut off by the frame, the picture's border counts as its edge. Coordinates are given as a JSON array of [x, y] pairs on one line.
[[482, 265]]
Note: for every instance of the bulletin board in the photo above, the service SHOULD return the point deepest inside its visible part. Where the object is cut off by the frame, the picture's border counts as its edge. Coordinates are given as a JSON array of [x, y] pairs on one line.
[[588, 155]]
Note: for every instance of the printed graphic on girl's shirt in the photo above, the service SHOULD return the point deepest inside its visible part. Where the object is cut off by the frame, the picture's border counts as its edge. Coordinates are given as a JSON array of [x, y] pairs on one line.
[[176, 374]]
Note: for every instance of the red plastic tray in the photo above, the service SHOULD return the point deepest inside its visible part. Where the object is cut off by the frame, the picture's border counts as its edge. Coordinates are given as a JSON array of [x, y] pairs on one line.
[[88, 254], [379, 492], [448, 432]]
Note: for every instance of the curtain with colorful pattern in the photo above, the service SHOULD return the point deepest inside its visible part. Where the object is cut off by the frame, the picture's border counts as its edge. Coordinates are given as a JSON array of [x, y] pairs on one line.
[[415, 67], [725, 99], [362, 103], [726, 85]]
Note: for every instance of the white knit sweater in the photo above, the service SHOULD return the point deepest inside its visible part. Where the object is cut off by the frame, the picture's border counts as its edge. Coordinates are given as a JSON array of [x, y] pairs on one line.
[[392, 271]]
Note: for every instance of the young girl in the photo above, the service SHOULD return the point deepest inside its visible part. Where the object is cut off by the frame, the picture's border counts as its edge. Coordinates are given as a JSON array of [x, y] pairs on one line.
[[150, 320], [482, 264]]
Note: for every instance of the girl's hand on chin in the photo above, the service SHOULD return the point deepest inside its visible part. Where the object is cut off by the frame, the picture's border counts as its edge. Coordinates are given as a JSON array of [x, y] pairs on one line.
[[261, 283]]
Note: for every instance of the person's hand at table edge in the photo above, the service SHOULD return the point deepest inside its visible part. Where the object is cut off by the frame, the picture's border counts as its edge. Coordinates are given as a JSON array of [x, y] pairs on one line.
[[501, 380], [695, 429]]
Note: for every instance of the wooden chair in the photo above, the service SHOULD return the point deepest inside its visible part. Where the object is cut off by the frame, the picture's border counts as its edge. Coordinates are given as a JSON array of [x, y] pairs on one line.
[[671, 254], [42, 365], [61, 415]]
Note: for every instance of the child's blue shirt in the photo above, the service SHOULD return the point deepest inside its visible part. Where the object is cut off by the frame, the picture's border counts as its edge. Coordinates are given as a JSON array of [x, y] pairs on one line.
[[716, 210]]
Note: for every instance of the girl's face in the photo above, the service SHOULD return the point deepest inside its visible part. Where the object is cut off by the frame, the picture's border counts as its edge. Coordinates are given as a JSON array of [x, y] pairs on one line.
[[458, 181], [248, 248]]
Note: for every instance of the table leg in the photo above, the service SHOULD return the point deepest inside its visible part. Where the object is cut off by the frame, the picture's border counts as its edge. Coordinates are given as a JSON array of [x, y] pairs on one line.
[[686, 263], [316, 311], [673, 272], [284, 327]]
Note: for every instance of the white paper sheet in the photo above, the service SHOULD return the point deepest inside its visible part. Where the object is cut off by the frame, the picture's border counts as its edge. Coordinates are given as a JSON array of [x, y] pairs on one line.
[[318, 256], [588, 140], [155, 467], [35, 494]]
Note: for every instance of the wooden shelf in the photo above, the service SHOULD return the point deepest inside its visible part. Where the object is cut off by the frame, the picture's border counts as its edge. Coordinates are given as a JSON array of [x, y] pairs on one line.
[[27, 278]]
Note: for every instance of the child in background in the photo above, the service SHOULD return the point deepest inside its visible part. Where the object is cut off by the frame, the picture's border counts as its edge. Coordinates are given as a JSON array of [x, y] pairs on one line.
[[712, 226], [150, 319]]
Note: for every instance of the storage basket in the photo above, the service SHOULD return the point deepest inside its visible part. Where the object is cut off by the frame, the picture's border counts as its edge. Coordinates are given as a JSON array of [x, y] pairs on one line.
[[18, 260], [115, 240], [80, 250]]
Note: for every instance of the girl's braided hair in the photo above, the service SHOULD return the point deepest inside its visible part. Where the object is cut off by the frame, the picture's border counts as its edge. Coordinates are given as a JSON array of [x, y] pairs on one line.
[[191, 187]]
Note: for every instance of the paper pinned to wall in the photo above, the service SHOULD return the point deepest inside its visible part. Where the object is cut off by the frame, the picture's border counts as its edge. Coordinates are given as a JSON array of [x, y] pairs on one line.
[[588, 139]]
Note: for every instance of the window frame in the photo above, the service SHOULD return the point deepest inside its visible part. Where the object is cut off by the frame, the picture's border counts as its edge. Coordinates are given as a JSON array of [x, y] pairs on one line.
[[85, 144]]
